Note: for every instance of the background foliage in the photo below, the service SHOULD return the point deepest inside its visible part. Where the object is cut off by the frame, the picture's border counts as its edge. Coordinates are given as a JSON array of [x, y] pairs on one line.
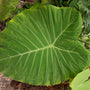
[[7, 7]]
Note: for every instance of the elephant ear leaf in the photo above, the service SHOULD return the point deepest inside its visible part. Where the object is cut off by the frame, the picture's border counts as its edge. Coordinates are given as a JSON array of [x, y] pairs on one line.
[[7, 7], [81, 81], [40, 46]]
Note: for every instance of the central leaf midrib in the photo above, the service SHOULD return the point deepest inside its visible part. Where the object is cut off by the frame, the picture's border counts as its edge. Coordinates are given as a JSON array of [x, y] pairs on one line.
[[36, 50], [31, 51]]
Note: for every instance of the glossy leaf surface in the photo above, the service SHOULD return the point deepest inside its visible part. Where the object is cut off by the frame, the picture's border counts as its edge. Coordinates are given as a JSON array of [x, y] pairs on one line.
[[40, 46]]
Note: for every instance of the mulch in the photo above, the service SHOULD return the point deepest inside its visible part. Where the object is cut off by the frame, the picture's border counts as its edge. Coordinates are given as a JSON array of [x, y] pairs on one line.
[[9, 84], [2, 25]]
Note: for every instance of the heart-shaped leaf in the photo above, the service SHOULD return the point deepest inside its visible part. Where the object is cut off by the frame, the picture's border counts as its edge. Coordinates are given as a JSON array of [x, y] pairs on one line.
[[40, 46]]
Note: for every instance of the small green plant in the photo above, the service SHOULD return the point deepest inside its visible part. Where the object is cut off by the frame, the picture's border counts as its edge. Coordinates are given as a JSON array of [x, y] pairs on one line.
[[81, 81]]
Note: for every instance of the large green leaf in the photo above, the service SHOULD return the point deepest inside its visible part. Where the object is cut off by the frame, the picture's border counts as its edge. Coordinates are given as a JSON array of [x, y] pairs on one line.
[[40, 46], [6, 8], [81, 81]]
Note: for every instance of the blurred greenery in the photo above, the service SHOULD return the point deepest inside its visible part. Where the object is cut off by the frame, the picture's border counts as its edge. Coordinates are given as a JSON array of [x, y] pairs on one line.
[[7, 7]]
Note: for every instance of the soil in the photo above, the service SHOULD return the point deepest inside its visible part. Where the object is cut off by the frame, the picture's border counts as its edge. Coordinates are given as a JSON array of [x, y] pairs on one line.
[[9, 84], [2, 25]]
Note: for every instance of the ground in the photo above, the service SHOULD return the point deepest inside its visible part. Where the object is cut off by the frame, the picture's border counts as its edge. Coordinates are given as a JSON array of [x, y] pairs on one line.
[[9, 84]]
